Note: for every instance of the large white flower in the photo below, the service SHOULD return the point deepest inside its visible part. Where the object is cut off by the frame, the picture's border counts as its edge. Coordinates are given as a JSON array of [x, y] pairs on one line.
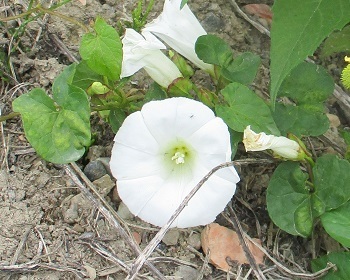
[[180, 29], [144, 51], [160, 154], [280, 145]]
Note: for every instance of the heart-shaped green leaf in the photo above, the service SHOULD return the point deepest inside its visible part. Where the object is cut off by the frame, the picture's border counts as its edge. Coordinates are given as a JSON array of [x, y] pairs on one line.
[[59, 128], [341, 260], [332, 181], [337, 223], [243, 107], [103, 51], [289, 201]]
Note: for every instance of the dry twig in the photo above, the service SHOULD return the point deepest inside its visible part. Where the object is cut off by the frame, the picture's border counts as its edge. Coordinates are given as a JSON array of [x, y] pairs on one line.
[[159, 236], [106, 211]]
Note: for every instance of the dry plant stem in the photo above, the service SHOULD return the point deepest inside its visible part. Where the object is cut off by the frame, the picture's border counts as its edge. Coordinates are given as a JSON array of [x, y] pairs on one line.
[[282, 268], [19, 249], [32, 267], [99, 248], [138, 263], [238, 229], [107, 211], [63, 47], [258, 26]]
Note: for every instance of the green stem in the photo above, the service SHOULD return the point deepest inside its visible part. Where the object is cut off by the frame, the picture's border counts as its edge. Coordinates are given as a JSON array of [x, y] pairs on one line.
[[135, 97], [106, 107], [9, 116]]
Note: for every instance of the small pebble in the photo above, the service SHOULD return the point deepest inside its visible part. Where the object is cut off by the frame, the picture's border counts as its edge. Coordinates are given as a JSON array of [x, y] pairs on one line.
[[95, 170], [124, 212], [78, 228], [71, 214], [171, 237], [194, 240], [104, 184], [186, 272], [115, 195]]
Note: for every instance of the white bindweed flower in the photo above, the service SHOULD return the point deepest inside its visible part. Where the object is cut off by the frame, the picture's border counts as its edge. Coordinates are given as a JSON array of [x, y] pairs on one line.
[[281, 146], [160, 154], [144, 51], [180, 29]]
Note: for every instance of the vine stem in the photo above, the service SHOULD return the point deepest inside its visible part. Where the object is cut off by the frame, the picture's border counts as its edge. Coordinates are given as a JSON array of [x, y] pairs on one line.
[[9, 116]]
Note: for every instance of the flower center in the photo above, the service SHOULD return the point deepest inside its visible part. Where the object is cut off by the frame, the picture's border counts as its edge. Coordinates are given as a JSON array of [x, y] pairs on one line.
[[179, 155], [179, 158]]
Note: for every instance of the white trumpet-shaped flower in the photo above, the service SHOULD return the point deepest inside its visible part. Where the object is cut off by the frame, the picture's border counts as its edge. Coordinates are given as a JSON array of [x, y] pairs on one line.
[[144, 51], [160, 154], [281, 146], [180, 29]]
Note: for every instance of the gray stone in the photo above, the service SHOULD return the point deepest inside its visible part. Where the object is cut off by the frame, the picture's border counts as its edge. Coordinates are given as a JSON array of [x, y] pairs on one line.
[[95, 170], [194, 240], [124, 212], [171, 237], [104, 185], [186, 272], [213, 23]]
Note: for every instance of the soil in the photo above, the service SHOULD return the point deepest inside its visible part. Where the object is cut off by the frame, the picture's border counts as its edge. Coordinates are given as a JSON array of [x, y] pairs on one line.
[[49, 230]]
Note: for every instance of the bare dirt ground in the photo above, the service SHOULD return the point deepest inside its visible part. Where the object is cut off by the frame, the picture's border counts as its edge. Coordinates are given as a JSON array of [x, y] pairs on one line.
[[50, 230]]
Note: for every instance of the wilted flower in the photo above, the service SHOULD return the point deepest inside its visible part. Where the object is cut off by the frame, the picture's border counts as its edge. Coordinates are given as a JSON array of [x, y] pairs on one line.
[[180, 29], [160, 154], [144, 51], [281, 146]]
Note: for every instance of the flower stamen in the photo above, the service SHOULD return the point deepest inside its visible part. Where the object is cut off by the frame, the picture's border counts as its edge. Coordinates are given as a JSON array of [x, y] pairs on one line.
[[179, 158]]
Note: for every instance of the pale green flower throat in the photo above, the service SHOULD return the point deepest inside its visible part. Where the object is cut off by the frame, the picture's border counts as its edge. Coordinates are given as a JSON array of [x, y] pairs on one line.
[[179, 153]]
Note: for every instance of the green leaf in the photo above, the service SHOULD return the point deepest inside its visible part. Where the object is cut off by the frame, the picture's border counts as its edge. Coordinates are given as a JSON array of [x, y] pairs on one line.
[[302, 120], [337, 224], [116, 118], [288, 200], [213, 50], [242, 108], [337, 42], [242, 69], [84, 76], [332, 181], [183, 3], [155, 92], [236, 138], [341, 260], [63, 80], [298, 28], [103, 51], [59, 132], [308, 85]]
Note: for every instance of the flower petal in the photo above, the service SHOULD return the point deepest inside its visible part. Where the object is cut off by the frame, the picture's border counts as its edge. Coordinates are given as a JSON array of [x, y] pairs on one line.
[[212, 138], [138, 164], [180, 29], [175, 118], [140, 139], [144, 52]]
